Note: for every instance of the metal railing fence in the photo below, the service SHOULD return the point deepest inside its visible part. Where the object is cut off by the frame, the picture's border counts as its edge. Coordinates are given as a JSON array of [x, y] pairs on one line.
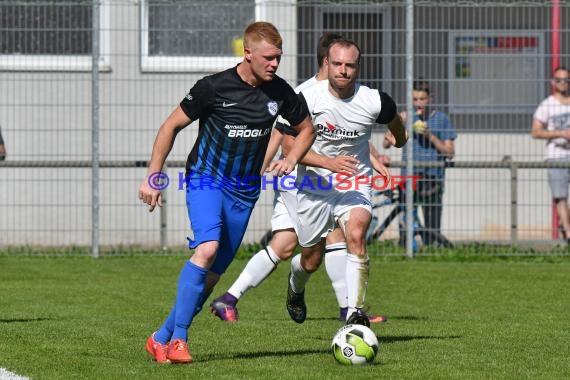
[[85, 85]]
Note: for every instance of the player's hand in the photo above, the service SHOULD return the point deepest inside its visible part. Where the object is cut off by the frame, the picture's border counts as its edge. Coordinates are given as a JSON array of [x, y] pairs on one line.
[[281, 167], [150, 196], [343, 164], [565, 134], [384, 172], [385, 159], [424, 130]]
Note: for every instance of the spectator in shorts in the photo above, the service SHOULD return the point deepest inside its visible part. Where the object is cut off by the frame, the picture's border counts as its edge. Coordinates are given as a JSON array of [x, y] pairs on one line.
[[551, 122]]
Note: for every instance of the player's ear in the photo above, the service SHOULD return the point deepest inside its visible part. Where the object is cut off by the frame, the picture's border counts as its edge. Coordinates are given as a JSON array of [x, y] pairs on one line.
[[326, 61], [247, 53]]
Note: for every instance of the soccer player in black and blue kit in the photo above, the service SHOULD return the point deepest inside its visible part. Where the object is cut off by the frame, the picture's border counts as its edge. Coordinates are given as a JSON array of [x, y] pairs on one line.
[[236, 109]]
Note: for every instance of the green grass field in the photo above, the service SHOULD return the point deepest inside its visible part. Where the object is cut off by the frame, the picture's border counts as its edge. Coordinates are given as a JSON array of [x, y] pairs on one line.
[[79, 318]]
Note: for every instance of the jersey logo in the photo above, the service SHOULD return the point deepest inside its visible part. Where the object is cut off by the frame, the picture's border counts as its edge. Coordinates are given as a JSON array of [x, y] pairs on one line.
[[272, 108], [315, 114], [329, 131], [330, 126], [224, 104]]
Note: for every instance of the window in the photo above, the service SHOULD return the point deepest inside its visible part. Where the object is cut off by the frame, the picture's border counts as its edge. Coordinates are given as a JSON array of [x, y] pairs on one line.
[[367, 24], [49, 35], [193, 35], [495, 71]]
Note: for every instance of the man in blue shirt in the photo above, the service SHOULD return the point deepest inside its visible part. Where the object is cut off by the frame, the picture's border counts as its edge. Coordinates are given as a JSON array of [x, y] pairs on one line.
[[433, 140], [236, 109]]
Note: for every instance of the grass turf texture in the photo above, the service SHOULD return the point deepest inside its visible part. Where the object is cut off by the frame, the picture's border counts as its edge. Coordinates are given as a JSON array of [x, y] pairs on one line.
[[75, 317]]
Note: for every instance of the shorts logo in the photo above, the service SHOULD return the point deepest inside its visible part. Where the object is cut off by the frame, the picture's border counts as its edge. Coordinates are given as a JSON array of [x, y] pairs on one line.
[[272, 108], [224, 104]]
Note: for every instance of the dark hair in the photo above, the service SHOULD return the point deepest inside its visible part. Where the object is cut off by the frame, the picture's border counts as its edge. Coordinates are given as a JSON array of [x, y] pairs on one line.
[[421, 85], [345, 42], [323, 46]]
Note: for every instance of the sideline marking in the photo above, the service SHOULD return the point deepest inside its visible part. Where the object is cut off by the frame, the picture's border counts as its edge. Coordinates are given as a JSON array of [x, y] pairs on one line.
[[7, 375]]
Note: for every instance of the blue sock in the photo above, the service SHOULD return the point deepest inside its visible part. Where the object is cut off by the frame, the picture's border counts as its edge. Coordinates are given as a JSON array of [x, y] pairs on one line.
[[164, 333], [203, 299], [191, 285]]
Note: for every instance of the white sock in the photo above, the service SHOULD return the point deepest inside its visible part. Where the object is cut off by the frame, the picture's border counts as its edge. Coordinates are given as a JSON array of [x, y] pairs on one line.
[[299, 277], [258, 268], [357, 272], [335, 264]]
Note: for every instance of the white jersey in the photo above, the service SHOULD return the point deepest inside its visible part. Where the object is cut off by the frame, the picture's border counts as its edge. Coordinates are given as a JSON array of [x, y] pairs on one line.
[[556, 116], [344, 127], [306, 84]]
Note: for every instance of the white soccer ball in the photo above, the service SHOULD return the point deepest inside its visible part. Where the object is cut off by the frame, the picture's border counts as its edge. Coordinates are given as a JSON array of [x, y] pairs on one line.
[[355, 344]]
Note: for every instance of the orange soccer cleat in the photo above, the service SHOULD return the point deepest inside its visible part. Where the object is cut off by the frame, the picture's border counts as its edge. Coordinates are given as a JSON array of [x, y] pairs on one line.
[[157, 350], [178, 352]]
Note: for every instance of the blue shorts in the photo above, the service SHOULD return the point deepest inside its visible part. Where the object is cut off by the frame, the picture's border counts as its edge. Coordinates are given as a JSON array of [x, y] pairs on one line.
[[216, 215]]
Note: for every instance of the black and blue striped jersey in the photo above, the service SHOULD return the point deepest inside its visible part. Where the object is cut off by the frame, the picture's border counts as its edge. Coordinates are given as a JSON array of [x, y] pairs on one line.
[[235, 121]]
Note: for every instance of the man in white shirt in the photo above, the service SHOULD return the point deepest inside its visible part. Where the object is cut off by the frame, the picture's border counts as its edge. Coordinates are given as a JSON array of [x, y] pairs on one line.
[[551, 122], [344, 113]]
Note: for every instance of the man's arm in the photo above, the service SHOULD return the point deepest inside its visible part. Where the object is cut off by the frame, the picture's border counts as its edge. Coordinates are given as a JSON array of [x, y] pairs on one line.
[[445, 147], [377, 164], [272, 147], [539, 131], [334, 164], [163, 142], [398, 130]]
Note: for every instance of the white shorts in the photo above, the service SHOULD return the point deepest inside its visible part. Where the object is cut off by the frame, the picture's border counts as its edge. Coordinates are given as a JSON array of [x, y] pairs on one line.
[[284, 210], [318, 214]]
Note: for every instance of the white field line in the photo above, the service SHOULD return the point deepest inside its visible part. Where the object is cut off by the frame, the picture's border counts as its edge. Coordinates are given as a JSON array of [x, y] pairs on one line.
[[7, 375]]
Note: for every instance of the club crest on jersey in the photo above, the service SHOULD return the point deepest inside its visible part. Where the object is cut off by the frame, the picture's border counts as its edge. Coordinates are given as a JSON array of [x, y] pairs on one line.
[[272, 108]]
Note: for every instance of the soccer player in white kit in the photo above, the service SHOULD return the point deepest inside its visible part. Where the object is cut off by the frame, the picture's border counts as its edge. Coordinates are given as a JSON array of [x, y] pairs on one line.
[[344, 113]]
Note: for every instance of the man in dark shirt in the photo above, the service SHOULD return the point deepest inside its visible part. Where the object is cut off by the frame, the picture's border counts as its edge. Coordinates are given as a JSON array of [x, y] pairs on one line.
[[236, 109]]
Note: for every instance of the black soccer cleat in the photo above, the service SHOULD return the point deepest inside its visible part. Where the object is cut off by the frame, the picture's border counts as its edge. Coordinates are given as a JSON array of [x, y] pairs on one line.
[[296, 304], [359, 317]]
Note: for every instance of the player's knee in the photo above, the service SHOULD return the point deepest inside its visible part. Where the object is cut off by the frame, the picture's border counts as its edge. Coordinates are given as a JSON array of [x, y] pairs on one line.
[[286, 254], [355, 235], [206, 252], [311, 263]]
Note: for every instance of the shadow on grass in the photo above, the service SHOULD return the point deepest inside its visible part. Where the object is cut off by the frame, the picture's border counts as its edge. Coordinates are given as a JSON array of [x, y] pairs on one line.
[[396, 317], [387, 339], [261, 354], [266, 354], [23, 320], [408, 318]]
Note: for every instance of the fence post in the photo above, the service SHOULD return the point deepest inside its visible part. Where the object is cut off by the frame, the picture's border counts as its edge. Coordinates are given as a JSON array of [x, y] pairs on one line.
[[409, 108], [95, 131], [514, 201], [162, 210]]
